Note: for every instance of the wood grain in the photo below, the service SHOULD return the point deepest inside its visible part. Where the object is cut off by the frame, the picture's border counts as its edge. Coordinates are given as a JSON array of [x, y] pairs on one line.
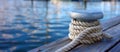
[[116, 48]]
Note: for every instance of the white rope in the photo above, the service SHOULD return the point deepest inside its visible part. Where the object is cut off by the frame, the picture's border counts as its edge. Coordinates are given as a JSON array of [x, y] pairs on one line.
[[83, 33]]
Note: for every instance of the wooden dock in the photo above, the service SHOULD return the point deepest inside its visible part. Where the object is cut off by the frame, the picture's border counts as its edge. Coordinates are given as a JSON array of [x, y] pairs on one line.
[[110, 26]]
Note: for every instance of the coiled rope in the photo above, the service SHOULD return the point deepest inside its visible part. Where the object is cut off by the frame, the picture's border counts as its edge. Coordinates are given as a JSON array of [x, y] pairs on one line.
[[83, 32], [93, 31]]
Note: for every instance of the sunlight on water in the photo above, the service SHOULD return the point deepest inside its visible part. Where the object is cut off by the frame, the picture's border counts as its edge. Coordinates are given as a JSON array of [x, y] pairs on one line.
[[24, 27]]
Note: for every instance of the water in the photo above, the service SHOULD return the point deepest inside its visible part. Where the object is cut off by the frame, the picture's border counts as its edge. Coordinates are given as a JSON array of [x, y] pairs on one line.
[[23, 27]]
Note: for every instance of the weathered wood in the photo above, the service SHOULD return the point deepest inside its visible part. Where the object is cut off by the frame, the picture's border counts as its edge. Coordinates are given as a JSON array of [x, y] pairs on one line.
[[116, 48], [58, 43], [101, 46], [110, 22], [61, 42]]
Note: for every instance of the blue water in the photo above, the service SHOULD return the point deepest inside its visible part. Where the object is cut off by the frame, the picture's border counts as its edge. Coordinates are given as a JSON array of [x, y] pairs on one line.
[[23, 27]]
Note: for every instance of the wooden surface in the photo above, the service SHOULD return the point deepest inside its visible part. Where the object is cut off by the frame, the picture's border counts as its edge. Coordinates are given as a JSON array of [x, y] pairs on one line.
[[111, 26], [116, 48]]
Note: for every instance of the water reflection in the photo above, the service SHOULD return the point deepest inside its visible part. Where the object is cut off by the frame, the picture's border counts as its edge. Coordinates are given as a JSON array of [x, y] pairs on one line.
[[24, 27]]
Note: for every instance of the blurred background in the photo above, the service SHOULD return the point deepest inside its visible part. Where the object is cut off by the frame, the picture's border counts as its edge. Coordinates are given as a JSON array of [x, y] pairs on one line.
[[27, 24]]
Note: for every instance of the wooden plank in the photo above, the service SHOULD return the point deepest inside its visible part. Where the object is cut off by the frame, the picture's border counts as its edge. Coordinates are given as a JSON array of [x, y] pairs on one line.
[[61, 42], [101, 46], [116, 48], [110, 22]]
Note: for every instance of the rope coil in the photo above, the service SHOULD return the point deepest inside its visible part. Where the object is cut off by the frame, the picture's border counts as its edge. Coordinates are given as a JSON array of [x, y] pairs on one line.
[[77, 27], [83, 32]]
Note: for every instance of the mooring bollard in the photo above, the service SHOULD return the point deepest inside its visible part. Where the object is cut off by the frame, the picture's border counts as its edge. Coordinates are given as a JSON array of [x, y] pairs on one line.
[[81, 21], [84, 28]]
